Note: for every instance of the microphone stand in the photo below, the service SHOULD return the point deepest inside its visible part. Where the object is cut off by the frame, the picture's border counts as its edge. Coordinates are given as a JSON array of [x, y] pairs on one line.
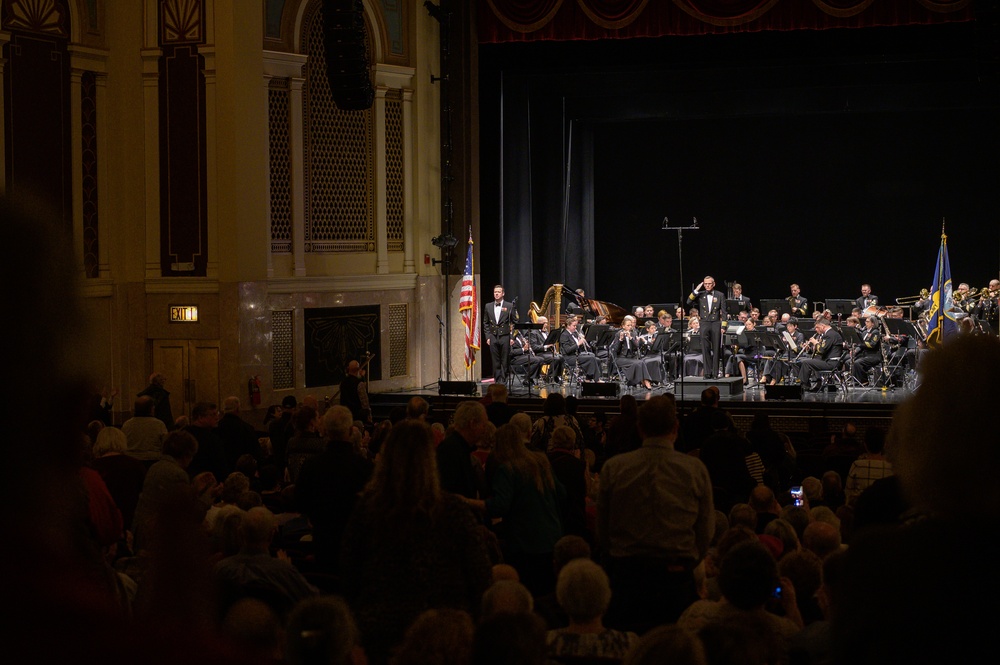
[[680, 268], [442, 344]]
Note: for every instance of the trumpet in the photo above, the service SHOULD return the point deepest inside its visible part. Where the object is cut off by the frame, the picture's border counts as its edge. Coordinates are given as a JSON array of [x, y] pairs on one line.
[[909, 300], [958, 296]]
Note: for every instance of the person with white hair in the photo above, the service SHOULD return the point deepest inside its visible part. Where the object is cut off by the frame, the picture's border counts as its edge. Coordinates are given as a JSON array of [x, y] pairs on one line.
[[584, 592]]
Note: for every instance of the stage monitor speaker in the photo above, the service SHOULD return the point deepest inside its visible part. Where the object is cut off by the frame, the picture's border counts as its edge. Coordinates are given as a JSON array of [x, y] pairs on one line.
[[345, 44], [779, 391], [599, 389], [458, 388]]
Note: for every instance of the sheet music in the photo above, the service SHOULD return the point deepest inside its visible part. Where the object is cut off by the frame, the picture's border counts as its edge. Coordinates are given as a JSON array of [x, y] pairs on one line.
[[791, 341]]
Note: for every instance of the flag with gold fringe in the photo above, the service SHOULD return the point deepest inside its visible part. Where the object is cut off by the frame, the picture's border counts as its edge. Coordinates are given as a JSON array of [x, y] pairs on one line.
[[942, 323], [468, 307]]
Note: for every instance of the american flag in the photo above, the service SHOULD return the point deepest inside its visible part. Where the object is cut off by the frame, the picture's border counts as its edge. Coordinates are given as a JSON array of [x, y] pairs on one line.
[[468, 307]]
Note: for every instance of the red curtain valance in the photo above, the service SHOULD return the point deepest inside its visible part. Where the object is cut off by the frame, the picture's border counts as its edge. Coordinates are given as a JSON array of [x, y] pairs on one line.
[[558, 20]]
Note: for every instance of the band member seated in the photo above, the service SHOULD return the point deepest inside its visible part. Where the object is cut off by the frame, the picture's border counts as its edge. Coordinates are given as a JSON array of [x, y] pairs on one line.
[[577, 305], [741, 357], [693, 362], [740, 298], [827, 349], [546, 352], [521, 355], [576, 351], [653, 359], [867, 299], [988, 308], [797, 302], [869, 355], [625, 351], [665, 325], [648, 312], [777, 369]]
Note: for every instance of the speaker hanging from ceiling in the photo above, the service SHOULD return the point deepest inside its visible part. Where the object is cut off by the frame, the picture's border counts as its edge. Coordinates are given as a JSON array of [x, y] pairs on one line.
[[345, 43]]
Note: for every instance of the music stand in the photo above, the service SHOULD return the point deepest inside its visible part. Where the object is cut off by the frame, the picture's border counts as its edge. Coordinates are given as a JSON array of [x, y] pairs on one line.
[[759, 340], [595, 332], [852, 339], [669, 307], [840, 306], [734, 307], [782, 306]]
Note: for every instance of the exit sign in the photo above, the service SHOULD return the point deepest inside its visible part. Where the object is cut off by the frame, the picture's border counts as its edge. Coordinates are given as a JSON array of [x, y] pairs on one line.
[[183, 314]]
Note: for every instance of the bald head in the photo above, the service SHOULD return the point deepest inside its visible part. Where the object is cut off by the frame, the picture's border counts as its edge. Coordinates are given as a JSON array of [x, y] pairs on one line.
[[762, 499], [353, 367], [821, 538]]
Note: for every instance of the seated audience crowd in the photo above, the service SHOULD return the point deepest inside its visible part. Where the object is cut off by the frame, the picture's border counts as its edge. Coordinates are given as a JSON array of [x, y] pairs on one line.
[[330, 540]]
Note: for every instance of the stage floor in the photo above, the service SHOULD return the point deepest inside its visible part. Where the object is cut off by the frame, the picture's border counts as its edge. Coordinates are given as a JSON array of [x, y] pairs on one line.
[[854, 402]]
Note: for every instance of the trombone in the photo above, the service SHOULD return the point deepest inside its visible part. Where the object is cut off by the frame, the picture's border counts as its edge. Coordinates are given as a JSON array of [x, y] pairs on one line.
[[910, 300]]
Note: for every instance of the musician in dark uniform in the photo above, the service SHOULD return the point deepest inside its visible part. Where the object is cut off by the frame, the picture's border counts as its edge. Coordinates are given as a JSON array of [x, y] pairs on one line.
[[797, 302], [522, 355], [712, 312], [577, 305], [497, 321], [738, 296], [625, 351], [869, 355], [777, 369], [828, 350], [867, 299], [574, 350], [988, 307], [546, 353]]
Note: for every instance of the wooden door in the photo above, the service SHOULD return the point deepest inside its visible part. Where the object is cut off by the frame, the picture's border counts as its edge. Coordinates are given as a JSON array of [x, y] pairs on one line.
[[192, 371]]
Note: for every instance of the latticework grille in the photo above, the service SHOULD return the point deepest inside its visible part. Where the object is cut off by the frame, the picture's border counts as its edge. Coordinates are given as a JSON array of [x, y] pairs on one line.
[[398, 360], [280, 165], [282, 350], [340, 199], [394, 169]]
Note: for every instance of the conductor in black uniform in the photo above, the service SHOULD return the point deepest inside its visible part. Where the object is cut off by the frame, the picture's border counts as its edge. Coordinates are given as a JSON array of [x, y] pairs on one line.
[[712, 310], [497, 320]]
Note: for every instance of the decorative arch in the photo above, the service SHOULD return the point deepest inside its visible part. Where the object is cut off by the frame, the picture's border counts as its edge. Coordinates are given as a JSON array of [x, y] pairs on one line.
[[375, 25]]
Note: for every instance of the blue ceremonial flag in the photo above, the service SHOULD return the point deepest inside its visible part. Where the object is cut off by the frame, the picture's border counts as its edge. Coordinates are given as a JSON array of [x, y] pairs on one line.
[[942, 324]]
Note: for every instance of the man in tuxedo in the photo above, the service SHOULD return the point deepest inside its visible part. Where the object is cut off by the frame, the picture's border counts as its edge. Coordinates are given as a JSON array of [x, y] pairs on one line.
[[743, 301], [798, 302], [867, 299], [712, 309], [497, 320], [546, 352], [827, 352]]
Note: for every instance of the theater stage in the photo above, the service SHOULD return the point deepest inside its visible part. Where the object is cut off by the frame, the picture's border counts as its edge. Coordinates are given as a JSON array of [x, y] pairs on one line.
[[801, 415]]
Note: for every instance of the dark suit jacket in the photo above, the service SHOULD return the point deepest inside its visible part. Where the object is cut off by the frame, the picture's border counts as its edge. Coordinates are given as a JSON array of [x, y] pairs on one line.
[[860, 302], [831, 345], [717, 312], [799, 305], [491, 325]]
